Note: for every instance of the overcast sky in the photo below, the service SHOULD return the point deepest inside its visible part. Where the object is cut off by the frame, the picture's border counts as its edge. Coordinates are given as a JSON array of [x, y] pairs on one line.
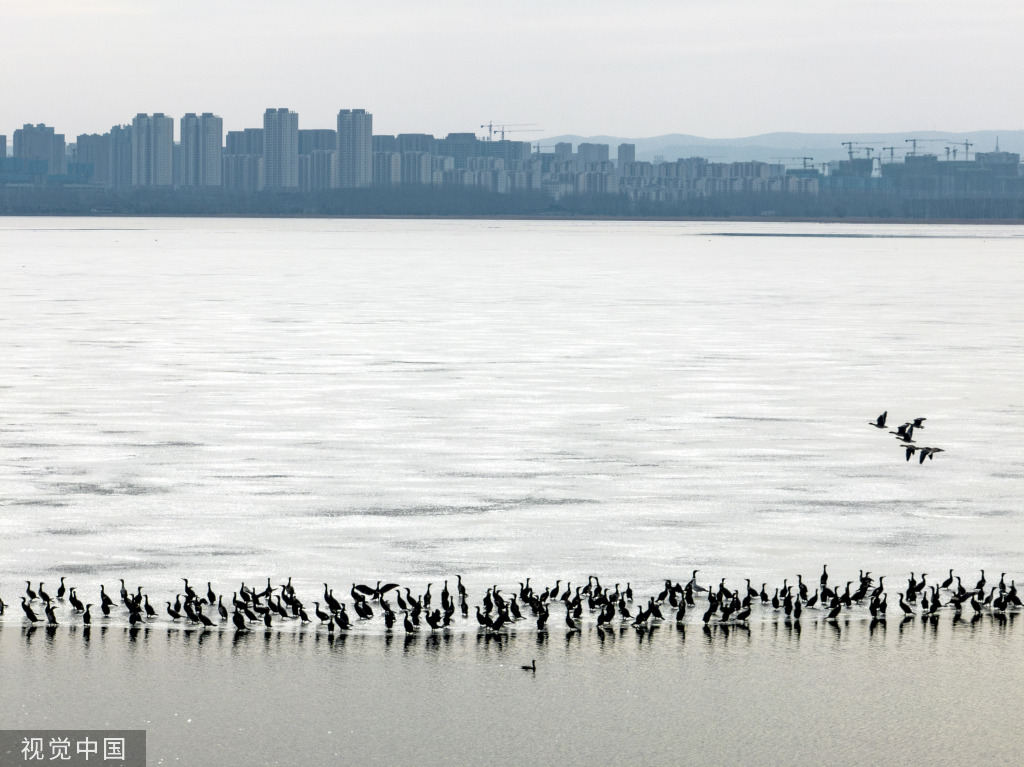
[[716, 68]]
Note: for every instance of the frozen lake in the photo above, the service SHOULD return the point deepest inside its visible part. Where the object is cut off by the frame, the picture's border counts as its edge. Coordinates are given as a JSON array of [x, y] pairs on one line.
[[408, 399], [232, 400]]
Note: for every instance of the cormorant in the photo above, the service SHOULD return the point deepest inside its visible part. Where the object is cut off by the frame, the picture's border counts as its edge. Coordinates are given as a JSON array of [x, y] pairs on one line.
[[320, 614], [28, 611]]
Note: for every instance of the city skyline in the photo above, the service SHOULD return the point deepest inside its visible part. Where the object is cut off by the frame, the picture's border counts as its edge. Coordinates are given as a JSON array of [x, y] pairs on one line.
[[715, 69], [322, 165]]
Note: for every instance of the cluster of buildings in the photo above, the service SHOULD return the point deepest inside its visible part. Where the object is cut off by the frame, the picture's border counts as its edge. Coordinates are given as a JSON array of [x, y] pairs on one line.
[[281, 157]]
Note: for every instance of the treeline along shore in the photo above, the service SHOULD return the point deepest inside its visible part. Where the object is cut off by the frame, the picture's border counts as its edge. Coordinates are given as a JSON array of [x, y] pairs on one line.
[[461, 203]]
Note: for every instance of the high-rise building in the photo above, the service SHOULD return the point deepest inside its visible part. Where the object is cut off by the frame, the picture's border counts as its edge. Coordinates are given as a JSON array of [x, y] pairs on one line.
[[416, 142], [94, 149], [387, 168], [39, 142], [627, 154], [321, 169], [121, 150], [416, 168], [248, 141], [461, 146], [201, 149], [355, 148], [152, 150], [3, 147], [384, 144], [319, 138], [242, 172], [280, 150], [588, 153]]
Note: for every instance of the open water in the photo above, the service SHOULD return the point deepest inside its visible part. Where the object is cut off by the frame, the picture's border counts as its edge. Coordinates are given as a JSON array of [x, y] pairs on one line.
[[344, 401]]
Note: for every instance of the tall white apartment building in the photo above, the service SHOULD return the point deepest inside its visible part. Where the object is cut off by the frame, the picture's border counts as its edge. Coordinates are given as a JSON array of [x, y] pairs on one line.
[[280, 150], [355, 148], [202, 141], [152, 150]]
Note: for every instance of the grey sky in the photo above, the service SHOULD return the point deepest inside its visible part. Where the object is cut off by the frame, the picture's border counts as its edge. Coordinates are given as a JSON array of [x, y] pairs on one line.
[[716, 68]]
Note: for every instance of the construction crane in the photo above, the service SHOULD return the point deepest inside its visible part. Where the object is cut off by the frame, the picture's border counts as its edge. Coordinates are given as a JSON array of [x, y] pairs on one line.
[[892, 153], [916, 141], [954, 147], [501, 128], [521, 130], [866, 148], [804, 160]]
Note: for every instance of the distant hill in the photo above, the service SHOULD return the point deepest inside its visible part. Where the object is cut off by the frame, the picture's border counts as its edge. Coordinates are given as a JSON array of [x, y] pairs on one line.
[[823, 147]]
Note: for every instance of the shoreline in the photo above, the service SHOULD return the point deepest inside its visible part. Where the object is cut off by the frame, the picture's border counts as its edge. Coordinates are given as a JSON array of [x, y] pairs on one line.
[[537, 218]]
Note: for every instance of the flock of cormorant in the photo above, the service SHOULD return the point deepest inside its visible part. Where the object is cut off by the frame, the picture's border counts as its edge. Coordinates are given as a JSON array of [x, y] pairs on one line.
[[251, 609], [905, 436]]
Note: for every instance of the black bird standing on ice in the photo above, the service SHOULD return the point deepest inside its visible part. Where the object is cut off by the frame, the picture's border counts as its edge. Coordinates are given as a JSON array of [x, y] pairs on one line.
[[28, 611]]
